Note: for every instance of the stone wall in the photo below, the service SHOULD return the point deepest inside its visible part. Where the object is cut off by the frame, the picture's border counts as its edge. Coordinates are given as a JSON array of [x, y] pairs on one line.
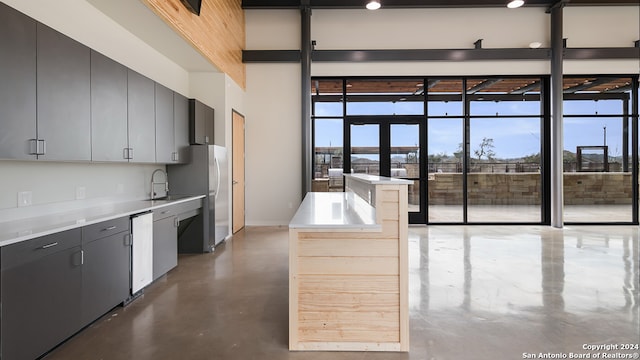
[[524, 188]]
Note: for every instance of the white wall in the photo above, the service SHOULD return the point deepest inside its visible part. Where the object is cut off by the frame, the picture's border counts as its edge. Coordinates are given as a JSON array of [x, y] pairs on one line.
[[273, 90], [272, 143], [53, 182]]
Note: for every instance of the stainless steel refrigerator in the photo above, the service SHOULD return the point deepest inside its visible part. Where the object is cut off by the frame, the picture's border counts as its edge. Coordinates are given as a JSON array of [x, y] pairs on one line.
[[205, 174]]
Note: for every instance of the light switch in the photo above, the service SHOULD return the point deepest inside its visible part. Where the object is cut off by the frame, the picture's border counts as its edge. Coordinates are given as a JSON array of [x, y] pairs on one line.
[[24, 198], [81, 193]]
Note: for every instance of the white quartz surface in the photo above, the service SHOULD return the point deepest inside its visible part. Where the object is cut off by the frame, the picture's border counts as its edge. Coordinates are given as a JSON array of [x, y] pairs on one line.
[[378, 180], [31, 227], [335, 210]]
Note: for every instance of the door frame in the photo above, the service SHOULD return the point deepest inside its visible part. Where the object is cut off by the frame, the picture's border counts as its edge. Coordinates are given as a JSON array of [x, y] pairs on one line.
[[238, 172], [385, 122]]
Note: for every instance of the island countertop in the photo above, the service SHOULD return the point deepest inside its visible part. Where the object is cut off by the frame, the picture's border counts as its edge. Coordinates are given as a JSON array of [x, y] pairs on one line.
[[338, 210], [26, 228], [378, 180]]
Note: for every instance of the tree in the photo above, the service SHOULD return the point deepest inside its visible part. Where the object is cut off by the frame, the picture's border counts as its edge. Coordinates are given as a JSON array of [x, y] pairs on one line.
[[459, 154], [486, 149]]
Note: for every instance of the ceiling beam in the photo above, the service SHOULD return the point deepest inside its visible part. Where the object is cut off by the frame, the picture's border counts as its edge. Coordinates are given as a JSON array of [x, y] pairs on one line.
[[414, 4], [258, 56], [586, 85], [527, 88], [483, 85]]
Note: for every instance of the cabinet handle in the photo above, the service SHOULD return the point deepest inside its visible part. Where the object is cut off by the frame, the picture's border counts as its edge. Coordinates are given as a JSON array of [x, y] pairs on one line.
[[165, 212], [175, 156], [43, 150], [130, 153], [109, 228], [33, 146], [49, 245], [127, 240]]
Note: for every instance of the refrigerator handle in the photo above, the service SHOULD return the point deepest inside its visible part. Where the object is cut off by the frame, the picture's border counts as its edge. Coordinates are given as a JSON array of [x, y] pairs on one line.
[[218, 178]]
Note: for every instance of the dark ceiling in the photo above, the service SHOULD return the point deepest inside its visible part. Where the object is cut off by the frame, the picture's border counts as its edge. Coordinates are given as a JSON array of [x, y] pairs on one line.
[[398, 4]]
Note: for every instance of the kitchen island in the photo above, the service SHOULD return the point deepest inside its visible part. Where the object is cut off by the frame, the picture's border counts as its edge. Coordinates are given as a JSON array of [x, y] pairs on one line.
[[348, 286]]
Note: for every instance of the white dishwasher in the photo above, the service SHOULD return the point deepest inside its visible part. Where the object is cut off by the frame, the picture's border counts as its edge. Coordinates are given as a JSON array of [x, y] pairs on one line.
[[141, 251]]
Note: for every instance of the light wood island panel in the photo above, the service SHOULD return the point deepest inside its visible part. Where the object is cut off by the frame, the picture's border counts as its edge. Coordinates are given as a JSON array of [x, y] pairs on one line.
[[348, 288]]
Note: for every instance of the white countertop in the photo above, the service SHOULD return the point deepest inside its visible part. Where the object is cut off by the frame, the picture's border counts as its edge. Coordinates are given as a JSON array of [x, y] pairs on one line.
[[378, 180], [335, 210], [31, 227]]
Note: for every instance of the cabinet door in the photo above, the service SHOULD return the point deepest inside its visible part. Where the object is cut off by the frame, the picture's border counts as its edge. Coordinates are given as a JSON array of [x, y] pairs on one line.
[[201, 123], [181, 128], [40, 294], [64, 87], [141, 120], [105, 275], [17, 84], [165, 246], [164, 125], [108, 109]]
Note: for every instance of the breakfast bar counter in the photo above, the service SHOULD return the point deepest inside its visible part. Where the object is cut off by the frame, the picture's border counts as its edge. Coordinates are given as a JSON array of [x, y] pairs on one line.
[[348, 288]]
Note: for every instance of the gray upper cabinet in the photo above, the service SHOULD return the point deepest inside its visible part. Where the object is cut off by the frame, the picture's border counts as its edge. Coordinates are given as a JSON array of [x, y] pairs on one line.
[[201, 123], [108, 109], [165, 147], [141, 124], [181, 127], [63, 103], [172, 126], [17, 84]]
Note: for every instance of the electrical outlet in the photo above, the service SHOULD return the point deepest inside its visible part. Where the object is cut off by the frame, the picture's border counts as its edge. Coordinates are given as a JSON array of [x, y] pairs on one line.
[[81, 193], [25, 198]]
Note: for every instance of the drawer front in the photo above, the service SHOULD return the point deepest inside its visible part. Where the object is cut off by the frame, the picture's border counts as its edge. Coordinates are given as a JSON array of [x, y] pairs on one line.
[[30, 250], [164, 212], [176, 209], [104, 229], [188, 206]]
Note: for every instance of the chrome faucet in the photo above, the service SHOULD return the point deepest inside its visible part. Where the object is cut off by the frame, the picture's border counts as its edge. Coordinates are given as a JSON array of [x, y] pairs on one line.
[[154, 183]]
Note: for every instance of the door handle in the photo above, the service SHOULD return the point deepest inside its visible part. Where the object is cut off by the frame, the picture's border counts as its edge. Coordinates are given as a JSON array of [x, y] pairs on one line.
[[235, 182]]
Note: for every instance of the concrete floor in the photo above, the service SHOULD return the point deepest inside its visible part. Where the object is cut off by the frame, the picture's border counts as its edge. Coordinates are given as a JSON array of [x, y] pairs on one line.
[[500, 292]]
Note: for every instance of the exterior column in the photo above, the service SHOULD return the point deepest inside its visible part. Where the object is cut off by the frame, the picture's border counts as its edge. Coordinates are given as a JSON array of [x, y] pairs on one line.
[[557, 49], [305, 81]]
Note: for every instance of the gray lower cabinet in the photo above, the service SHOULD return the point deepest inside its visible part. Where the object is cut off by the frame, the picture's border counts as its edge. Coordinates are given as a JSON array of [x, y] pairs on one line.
[[105, 271], [165, 242], [41, 294], [17, 84], [141, 121], [63, 103], [108, 109]]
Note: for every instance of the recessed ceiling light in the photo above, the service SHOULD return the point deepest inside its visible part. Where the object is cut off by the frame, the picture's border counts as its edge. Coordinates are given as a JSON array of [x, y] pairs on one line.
[[373, 5], [515, 4]]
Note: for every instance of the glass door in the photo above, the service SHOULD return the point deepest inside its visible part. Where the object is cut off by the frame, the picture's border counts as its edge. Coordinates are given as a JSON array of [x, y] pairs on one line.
[[391, 147]]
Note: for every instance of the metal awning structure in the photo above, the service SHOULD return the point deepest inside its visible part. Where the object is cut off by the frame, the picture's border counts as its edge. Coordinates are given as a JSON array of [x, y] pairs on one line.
[[413, 4]]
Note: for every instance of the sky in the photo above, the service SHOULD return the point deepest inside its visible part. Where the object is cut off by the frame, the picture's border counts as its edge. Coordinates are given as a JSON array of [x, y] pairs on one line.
[[513, 137]]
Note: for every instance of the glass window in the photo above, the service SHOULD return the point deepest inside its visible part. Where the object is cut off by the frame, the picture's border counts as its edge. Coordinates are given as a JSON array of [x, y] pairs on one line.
[[444, 97]]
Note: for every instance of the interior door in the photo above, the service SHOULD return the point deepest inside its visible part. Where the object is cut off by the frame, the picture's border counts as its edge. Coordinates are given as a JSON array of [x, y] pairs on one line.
[[238, 172], [391, 147]]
